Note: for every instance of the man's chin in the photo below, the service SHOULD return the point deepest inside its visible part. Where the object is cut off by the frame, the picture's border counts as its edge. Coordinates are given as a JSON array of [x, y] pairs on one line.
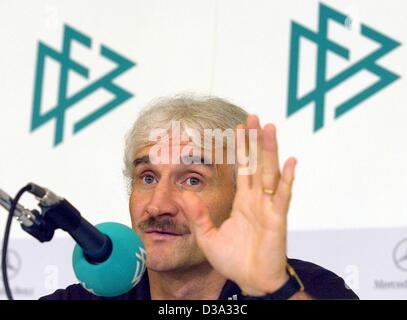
[[162, 266], [167, 261], [171, 264], [160, 258]]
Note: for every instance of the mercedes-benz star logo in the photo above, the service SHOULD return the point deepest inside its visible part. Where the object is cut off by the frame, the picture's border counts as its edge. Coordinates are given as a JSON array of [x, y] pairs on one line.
[[400, 255]]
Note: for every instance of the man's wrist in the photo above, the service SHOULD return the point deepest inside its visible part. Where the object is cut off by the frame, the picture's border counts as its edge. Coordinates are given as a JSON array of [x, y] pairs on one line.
[[267, 286], [281, 290]]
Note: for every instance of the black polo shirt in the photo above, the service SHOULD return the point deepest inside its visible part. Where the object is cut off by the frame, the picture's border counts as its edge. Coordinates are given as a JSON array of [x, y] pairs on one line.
[[318, 282]]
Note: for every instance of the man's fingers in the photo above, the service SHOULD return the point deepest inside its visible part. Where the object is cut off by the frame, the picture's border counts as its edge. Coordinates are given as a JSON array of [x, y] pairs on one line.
[[281, 200], [271, 167], [255, 152], [242, 179]]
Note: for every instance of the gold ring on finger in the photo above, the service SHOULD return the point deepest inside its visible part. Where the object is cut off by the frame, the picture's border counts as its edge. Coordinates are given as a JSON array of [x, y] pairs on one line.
[[269, 191]]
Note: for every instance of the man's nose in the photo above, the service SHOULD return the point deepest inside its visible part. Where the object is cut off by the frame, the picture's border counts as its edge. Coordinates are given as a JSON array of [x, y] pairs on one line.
[[162, 200]]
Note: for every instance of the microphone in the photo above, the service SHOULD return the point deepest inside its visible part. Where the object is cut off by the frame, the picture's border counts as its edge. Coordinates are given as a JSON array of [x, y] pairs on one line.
[[117, 272], [109, 259]]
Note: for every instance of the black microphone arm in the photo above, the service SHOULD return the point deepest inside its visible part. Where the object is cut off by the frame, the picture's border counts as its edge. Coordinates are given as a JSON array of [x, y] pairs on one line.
[[31, 221], [58, 213]]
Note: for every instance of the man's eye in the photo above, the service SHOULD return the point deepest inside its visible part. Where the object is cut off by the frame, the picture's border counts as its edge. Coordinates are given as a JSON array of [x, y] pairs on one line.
[[148, 179], [193, 181]]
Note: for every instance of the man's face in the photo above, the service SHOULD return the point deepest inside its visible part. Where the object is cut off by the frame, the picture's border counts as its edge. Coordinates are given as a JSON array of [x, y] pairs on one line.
[[158, 213]]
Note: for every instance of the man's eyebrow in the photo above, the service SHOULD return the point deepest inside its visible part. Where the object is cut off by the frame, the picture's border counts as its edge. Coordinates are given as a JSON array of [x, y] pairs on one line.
[[141, 160]]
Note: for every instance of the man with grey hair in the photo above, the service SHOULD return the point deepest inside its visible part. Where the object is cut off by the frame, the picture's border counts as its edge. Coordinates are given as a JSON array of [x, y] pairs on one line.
[[212, 229]]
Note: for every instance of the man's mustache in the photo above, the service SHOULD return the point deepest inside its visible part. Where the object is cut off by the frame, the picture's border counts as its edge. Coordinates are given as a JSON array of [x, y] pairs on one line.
[[165, 224]]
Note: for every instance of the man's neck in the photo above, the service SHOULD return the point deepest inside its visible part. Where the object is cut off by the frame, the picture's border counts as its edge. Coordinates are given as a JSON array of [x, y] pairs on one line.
[[199, 283]]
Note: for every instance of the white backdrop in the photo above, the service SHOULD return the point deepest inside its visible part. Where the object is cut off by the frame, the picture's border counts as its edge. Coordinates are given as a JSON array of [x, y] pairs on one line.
[[351, 182]]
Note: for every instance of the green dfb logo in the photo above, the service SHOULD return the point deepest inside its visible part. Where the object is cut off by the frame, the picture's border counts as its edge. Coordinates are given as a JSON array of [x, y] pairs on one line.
[[323, 85], [67, 64]]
